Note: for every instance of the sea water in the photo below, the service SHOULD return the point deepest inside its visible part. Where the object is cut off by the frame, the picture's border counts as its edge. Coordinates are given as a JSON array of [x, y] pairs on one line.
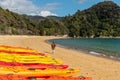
[[107, 47]]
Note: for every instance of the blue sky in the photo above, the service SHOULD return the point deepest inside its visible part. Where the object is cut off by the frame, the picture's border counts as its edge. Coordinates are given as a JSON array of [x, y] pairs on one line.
[[48, 7]]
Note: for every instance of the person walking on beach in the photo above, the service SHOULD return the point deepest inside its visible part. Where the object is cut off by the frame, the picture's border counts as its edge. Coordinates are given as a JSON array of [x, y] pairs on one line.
[[53, 45]]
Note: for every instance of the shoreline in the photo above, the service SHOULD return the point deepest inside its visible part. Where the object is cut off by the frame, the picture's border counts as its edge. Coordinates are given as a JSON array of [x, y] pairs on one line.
[[91, 66], [98, 57], [93, 53]]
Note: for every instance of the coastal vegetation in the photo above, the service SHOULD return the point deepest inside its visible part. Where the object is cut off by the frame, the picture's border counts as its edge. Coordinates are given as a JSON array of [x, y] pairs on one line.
[[100, 20]]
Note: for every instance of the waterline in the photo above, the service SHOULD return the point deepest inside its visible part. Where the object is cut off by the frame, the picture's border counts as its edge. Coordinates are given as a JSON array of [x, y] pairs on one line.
[[106, 47]]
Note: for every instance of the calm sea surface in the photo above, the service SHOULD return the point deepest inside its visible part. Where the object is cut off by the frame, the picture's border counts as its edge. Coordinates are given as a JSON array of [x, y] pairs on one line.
[[108, 47]]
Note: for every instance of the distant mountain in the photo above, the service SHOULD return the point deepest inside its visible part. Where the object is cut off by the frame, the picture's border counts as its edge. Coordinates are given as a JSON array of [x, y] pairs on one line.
[[43, 18], [36, 17], [55, 17], [100, 20]]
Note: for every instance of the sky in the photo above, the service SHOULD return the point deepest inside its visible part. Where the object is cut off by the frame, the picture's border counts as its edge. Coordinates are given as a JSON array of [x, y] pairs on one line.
[[49, 7]]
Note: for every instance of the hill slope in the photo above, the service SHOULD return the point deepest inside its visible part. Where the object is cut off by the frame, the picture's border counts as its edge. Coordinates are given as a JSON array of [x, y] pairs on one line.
[[102, 19], [13, 23]]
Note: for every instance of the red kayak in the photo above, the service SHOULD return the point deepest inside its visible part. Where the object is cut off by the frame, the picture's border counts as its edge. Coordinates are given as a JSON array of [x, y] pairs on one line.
[[68, 78], [13, 77], [33, 65]]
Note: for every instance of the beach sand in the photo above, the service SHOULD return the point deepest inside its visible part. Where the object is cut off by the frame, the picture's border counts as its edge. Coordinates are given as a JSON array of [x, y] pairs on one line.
[[96, 67]]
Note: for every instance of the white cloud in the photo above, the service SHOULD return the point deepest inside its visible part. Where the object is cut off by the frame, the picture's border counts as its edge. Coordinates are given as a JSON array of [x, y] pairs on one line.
[[19, 6], [45, 13], [27, 7]]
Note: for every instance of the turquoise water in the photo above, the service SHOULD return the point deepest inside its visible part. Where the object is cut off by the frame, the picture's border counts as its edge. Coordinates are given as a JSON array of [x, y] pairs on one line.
[[109, 47]]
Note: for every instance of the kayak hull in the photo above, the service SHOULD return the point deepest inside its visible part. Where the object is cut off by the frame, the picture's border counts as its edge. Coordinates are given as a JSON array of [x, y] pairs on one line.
[[18, 77], [37, 72], [36, 66]]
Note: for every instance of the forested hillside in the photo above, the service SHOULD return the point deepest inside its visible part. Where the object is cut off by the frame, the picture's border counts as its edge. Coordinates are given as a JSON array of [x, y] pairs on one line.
[[100, 20], [13, 23]]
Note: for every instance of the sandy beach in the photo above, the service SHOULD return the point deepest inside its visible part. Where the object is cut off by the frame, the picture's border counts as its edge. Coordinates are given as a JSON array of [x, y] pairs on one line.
[[96, 67]]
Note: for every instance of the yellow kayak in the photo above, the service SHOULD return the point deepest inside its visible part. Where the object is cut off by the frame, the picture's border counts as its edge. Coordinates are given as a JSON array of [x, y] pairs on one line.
[[28, 59], [19, 50], [37, 72], [33, 61], [7, 55]]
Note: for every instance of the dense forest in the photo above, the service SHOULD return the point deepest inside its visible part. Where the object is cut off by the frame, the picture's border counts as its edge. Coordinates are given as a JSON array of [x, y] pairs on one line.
[[100, 20], [13, 23]]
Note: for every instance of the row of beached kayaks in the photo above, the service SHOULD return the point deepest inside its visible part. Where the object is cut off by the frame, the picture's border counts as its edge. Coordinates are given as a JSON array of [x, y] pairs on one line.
[[18, 63]]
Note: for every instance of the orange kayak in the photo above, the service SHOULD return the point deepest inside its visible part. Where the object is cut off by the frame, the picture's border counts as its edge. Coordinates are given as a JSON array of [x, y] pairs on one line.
[[22, 52], [68, 78], [15, 47], [18, 77]]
